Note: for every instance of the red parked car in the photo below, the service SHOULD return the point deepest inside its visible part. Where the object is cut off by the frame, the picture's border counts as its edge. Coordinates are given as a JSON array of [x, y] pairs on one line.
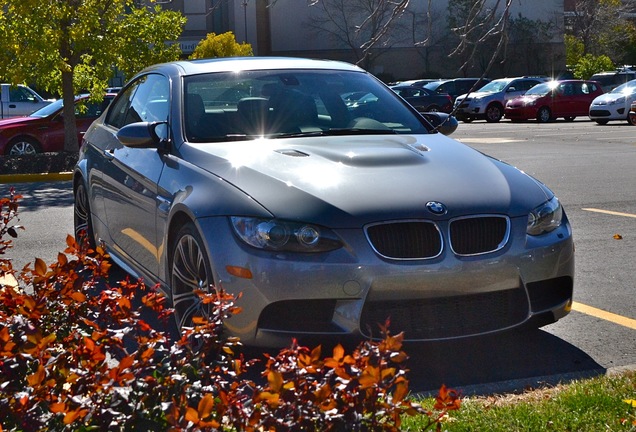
[[553, 99], [43, 130]]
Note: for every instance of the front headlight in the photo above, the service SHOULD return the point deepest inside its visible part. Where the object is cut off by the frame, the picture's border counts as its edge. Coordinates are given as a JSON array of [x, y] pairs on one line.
[[620, 100], [545, 218], [287, 236]]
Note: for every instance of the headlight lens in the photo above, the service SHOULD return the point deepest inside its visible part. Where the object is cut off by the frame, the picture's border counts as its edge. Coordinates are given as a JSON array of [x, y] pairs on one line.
[[620, 100], [545, 218], [287, 236]]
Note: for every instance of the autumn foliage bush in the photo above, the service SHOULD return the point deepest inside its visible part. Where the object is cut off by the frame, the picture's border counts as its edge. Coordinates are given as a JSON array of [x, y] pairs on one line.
[[78, 354]]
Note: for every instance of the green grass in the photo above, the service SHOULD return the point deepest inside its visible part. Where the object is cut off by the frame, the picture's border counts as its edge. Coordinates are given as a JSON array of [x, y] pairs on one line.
[[591, 405]]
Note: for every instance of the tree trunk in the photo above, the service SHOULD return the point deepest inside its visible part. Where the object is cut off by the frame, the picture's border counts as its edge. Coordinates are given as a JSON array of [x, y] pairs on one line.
[[70, 127]]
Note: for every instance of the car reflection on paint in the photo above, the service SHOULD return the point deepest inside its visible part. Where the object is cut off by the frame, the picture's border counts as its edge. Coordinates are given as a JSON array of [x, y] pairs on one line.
[[328, 216]]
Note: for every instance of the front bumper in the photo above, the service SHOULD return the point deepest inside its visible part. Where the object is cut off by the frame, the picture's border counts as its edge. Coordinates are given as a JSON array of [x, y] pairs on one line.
[[348, 293], [471, 108], [609, 112], [524, 112]]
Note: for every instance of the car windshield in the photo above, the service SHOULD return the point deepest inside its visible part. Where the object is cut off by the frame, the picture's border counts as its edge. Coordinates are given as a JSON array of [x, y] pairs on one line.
[[540, 89], [282, 103], [48, 109], [494, 86], [627, 88]]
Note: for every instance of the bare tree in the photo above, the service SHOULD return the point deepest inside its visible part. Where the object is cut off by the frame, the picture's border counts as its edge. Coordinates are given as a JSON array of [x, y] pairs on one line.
[[366, 27]]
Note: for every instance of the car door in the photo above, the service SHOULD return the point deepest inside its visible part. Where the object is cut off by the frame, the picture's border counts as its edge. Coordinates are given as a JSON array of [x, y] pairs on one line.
[[130, 175], [22, 102], [563, 99]]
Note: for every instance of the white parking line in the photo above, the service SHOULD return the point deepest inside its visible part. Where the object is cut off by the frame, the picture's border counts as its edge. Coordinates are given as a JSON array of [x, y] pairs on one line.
[[609, 212], [488, 140]]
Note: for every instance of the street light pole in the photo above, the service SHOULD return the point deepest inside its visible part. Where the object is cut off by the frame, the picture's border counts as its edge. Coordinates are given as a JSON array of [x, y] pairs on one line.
[[244, 4]]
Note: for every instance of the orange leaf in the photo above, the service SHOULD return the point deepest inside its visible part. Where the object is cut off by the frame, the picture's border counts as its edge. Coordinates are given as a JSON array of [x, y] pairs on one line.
[[275, 380], [206, 405], [61, 259], [37, 377], [401, 390], [338, 352], [71, 416], [618, 237], [57, 407], [40, 267], [192, 415]]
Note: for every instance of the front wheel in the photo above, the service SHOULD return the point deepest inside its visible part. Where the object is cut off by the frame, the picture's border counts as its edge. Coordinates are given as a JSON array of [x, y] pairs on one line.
[[432, 108], [190, 272], [544, 115], [23, 146], [493, 113], [631, 120]]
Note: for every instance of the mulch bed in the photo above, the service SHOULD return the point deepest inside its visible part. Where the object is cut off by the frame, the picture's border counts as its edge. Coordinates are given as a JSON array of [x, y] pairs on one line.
[[38, 164]]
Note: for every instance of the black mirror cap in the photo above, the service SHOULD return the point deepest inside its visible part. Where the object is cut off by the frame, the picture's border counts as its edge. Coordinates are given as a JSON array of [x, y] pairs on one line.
[[444, 123], [139, 135]]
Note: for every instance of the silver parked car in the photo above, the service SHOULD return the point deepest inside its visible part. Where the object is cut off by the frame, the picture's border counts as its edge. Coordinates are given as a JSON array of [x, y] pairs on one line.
[[254, 174]]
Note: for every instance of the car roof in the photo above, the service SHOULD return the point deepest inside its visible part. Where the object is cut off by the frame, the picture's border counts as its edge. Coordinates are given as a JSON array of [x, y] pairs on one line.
[[227, 64]]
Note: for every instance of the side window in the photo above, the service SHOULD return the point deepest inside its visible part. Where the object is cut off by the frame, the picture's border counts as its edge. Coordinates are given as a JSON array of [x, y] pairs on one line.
[[448, 87], [146, 100], [20, 94], [583, 88]]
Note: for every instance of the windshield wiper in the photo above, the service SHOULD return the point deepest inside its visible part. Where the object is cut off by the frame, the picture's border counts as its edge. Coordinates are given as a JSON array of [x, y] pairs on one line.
[[337, 132]]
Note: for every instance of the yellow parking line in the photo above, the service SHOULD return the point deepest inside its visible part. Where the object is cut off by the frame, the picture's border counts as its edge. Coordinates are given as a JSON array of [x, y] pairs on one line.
[[609, 212], [607, 316]]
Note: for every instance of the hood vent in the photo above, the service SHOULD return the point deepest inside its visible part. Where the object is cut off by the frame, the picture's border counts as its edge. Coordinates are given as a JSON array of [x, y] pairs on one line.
[[292, 152]]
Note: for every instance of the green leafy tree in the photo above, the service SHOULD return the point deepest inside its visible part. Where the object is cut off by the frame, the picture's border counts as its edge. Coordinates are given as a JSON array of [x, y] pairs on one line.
[[65, 46], [574, 49], [223, 45], [590, 64]]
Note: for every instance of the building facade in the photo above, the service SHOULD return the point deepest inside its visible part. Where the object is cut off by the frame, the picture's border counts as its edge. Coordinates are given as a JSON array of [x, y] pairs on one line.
[[421, 45]]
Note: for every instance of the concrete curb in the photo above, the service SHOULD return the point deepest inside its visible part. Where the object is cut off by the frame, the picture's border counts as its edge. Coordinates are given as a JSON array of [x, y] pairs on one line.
[[32, 178]]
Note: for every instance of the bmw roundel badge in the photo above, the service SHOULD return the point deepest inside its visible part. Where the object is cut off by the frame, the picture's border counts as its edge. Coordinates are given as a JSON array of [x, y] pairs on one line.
[[436, 207]]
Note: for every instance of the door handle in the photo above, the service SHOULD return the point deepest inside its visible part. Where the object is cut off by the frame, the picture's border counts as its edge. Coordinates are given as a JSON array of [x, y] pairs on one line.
[[109, 154]]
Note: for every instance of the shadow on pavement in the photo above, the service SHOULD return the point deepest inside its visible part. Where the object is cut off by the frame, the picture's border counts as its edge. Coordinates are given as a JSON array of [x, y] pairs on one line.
[[507, 362], [41, 194]]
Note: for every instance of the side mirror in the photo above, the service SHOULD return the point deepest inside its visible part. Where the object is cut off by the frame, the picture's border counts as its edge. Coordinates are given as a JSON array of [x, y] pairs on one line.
[[444, 123], [140, 135]]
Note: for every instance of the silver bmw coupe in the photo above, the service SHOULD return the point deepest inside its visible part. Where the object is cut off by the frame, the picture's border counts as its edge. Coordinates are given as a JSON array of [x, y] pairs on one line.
[[322, 197]]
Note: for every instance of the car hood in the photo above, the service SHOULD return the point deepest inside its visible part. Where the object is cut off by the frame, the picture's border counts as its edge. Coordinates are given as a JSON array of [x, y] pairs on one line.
[[16, 121], [352, 180], [610, 97], [477, 95]]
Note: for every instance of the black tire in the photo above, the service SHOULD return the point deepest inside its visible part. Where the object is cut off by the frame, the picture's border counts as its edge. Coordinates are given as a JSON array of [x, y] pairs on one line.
[[23, 146], [570, 118], [601, 122], [631, 120], [494, 112], [544, 115], [190, 271], [82, 223], [432, 108]]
